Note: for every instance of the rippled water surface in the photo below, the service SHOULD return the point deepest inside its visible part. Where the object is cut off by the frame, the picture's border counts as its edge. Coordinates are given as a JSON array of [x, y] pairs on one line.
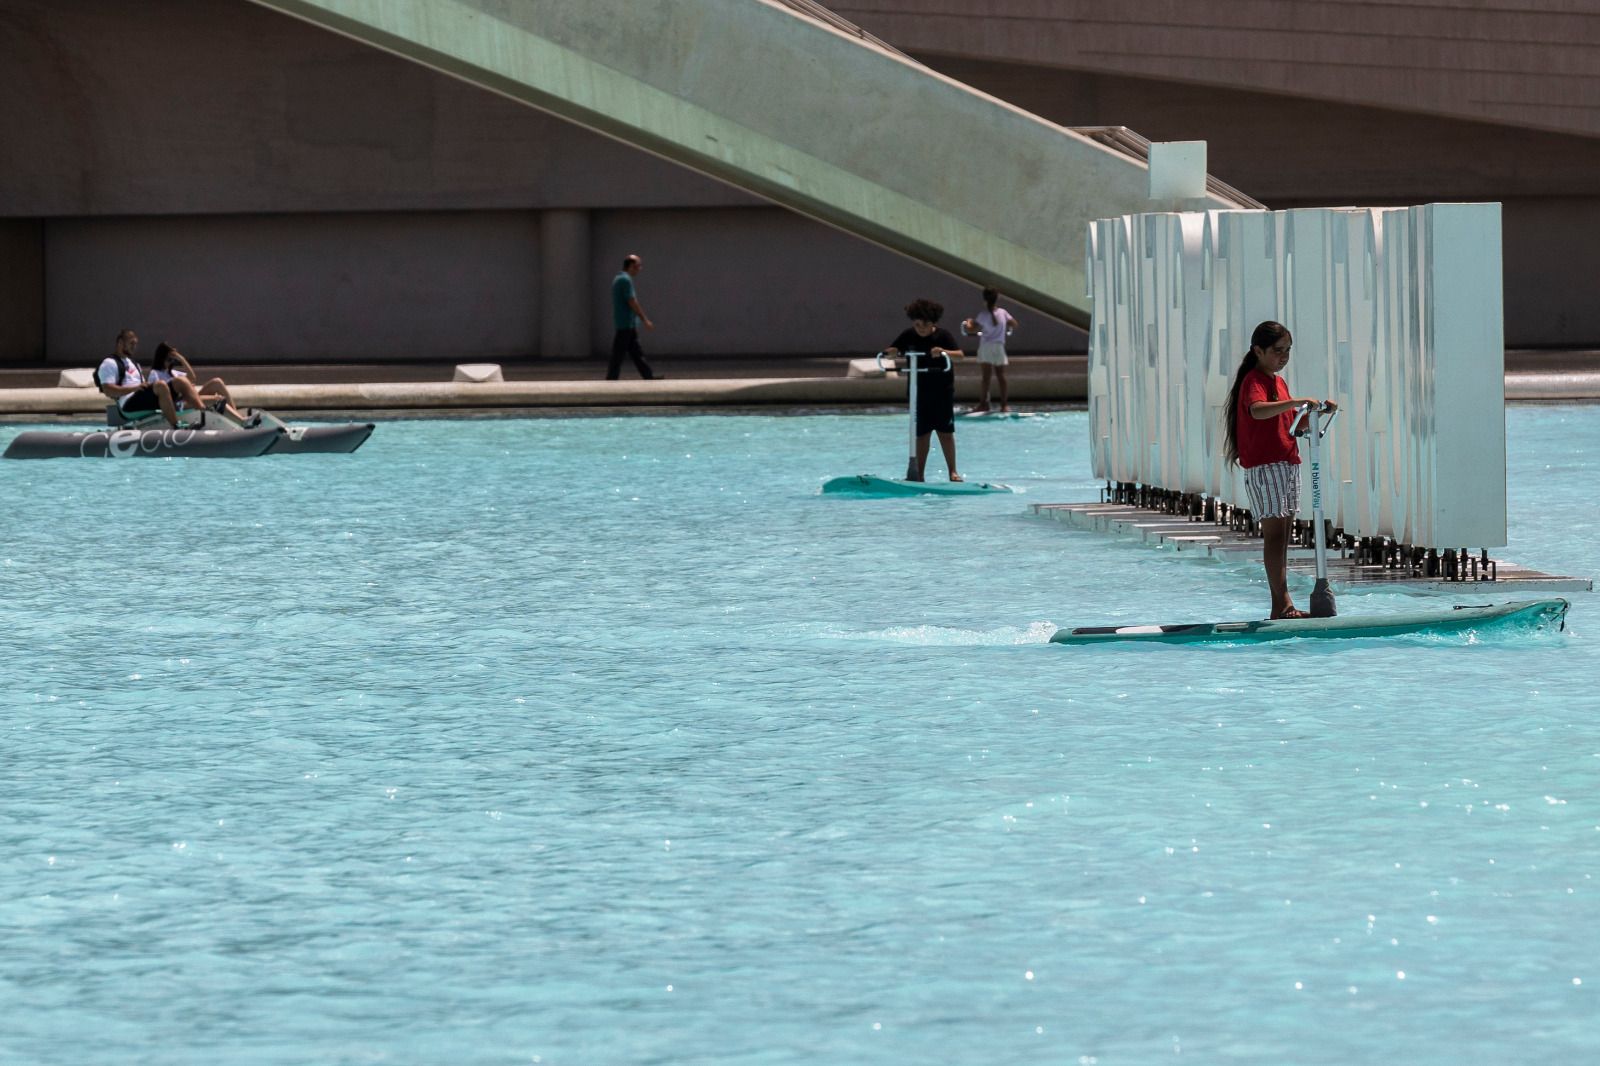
[[591, 741]]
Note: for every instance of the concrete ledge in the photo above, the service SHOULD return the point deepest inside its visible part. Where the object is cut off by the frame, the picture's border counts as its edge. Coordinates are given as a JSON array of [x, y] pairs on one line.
[[686, 392], [424, 396], [1068, 387], [1553, 386]]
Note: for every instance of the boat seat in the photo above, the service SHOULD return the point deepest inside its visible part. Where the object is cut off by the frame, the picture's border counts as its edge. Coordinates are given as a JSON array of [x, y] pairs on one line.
[[148, 419], [117, 420]]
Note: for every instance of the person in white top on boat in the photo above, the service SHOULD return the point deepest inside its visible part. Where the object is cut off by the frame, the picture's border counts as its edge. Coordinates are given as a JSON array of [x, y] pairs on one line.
[[121, 381], [170, 366], [992, 327]]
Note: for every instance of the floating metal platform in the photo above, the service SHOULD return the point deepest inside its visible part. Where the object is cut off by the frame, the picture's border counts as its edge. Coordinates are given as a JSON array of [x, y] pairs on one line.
[[1221, 542]]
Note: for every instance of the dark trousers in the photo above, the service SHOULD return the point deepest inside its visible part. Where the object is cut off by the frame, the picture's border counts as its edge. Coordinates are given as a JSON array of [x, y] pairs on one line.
[[626, 342]]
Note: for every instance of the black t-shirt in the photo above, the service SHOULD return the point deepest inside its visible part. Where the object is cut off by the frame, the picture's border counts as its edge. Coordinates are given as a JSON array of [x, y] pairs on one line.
[[936, 382]]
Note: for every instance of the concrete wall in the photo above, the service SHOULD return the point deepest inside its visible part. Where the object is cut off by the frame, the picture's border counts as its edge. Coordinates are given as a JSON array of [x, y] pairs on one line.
[[22, 289], [255, 189], [1515, 62], [147, 107], [237, 122], [1295, 152], [1280, 147], [796, 111], [294, 287], [769, 282], [471, 285]]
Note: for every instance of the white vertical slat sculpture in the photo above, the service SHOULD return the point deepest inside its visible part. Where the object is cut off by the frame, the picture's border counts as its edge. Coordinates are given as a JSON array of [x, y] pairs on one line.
[[1396, 314]]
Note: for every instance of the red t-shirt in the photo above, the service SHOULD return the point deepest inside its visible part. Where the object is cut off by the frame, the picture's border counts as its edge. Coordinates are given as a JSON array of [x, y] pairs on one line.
[[1264, 440]]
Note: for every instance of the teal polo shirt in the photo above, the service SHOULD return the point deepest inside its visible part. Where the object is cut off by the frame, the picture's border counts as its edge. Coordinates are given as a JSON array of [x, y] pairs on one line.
[[621, 295]]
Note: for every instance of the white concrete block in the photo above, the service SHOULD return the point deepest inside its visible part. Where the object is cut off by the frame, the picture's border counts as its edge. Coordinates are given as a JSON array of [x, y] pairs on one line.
[[1177, 170], [864, 368], [478, 373], [1189, 543]]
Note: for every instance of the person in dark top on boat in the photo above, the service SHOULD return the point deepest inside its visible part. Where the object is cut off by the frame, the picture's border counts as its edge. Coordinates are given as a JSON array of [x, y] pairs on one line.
[[1259, 413], [936, 382], [122, 381], [170, 366]]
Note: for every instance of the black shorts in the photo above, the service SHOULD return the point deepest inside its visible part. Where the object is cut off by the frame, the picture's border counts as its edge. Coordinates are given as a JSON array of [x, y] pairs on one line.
[[140, 402], [936, 420]]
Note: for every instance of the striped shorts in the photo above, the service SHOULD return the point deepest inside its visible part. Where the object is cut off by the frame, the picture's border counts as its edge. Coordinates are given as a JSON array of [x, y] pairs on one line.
[[1274, 489]]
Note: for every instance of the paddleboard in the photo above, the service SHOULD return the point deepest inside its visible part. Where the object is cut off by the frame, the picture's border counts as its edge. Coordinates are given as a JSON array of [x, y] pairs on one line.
[[998, 416], [873, 485], [1529, 614]]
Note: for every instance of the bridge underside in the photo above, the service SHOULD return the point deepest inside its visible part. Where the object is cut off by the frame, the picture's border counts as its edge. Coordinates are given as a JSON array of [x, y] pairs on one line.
[[818, 120]]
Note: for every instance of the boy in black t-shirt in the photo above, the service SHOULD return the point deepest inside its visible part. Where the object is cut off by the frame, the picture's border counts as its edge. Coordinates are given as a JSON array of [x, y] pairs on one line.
[[936, 386]]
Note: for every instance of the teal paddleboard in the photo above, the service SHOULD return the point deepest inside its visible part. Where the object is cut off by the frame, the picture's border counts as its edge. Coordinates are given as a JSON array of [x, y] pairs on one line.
[[873, 485], [1527, 614]]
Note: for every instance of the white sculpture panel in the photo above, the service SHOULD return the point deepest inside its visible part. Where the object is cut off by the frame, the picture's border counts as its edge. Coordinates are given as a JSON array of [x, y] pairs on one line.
[[1396, 314]]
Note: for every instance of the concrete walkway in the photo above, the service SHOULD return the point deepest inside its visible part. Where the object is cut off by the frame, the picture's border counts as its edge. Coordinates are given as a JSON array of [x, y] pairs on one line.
[[710, 382], [734, 381]]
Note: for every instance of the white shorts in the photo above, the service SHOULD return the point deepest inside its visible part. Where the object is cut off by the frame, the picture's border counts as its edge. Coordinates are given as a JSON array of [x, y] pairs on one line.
[[993, 353], [1274, 489]]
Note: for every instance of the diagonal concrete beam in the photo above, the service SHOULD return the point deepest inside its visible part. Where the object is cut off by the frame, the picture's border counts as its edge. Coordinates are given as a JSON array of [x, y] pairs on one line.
[[792, 110]]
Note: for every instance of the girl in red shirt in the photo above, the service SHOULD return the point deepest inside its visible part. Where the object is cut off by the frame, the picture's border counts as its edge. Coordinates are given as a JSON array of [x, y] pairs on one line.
[[1260, 411]]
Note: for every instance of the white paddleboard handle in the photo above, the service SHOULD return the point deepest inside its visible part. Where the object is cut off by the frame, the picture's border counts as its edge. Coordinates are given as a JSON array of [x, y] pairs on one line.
[[1296, 427], [911, 363], [1299, 428]]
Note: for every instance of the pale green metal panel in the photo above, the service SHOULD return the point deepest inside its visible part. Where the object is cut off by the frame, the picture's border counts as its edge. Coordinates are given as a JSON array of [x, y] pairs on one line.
[[792, 110]]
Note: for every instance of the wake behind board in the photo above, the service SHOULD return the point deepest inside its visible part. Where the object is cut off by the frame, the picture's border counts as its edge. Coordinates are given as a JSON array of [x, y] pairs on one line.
[[1526, 614], [873, 485]]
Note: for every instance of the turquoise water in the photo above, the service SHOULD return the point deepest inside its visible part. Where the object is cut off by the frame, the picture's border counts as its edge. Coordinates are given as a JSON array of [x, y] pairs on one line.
[[600, 741]]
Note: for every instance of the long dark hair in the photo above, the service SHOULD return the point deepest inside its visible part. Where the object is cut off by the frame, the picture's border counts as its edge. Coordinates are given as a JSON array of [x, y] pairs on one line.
[[1265, 336], [162, 360], [991, 297]]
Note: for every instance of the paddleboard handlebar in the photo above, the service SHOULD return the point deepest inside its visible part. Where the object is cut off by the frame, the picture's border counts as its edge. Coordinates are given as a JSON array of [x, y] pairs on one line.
[[1300, 427], [1306, 424], [911, 362], [913, 468]]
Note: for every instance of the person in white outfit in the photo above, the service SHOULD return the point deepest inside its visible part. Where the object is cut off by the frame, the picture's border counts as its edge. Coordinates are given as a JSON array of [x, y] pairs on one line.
[[992, 326], [122, 382]]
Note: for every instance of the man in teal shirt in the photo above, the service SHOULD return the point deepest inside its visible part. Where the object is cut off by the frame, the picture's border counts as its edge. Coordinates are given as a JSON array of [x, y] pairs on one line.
[[626, 314]]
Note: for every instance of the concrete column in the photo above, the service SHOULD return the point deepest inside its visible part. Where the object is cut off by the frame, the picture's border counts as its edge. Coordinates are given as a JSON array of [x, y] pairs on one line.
[[565, 285], [21, 290]]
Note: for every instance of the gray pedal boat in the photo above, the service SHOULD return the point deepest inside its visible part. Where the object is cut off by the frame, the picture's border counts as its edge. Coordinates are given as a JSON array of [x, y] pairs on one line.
[[328, 437], [200, 434]]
